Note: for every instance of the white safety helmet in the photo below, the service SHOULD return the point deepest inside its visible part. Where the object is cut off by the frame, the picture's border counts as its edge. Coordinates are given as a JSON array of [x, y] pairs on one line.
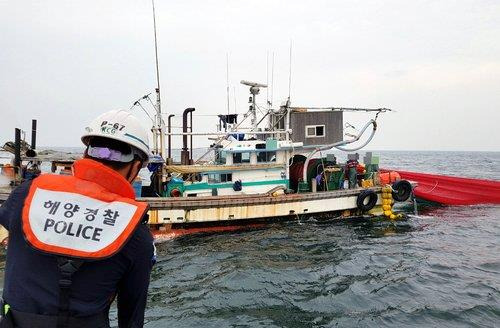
[[122, 126]]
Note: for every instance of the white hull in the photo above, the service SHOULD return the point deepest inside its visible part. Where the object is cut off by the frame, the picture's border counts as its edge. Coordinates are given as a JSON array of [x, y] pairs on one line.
[[218, 209]]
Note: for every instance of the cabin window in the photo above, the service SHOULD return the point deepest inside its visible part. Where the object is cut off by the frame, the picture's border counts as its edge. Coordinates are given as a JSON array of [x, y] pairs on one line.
[[220, 157], [315, 131], [218, 178], [266, 156], [239, 158], [213, 178], [226, 177]]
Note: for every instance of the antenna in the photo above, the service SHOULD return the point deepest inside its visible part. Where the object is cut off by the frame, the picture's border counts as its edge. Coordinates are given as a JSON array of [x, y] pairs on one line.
[[227, 81], [267, 78], [253, 84], [290, 74], [254, 91], [160, 123], [272, 81], [234, 95], [156, 49]]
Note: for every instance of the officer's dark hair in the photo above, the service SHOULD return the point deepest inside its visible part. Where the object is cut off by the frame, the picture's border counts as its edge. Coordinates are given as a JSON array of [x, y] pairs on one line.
[[111, 144]]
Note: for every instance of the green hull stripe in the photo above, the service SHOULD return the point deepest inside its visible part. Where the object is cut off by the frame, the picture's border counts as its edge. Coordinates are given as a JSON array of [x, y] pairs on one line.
[[204, 185]]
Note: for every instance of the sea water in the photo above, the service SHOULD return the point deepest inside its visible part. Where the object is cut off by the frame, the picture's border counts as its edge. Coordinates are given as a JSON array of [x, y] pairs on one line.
[[440, 268]]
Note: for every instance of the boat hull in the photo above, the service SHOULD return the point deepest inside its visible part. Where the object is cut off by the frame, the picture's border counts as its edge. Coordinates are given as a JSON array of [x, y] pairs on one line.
[[169, 217]]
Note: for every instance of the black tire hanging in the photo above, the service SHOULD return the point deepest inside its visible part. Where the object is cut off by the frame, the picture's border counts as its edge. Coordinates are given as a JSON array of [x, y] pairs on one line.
[[401, 190], [364, 205]]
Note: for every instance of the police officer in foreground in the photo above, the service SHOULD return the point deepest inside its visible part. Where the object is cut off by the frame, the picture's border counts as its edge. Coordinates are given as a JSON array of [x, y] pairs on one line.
[[77, 242]]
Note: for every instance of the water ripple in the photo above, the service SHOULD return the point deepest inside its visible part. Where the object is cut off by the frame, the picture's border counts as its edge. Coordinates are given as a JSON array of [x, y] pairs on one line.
[[438, 269]]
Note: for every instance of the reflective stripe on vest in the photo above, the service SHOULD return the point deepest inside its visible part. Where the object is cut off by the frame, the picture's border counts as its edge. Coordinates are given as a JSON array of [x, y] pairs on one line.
[[68, 216]]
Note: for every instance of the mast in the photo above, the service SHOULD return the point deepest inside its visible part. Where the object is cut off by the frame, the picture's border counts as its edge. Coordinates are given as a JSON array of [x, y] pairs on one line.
[[287, 118], [160, 124], [227, 81]]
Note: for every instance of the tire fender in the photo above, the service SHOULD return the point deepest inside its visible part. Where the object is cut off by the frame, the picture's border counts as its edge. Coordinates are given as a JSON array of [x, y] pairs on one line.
[[362, 202], [401, 190]]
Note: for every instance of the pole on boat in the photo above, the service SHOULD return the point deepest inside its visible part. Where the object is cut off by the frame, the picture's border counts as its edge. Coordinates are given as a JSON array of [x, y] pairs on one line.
[[17, 152], [185, 157], [33, 134], [191, 137], [160, 123], [169, 137], [287, 108], [227, 81]]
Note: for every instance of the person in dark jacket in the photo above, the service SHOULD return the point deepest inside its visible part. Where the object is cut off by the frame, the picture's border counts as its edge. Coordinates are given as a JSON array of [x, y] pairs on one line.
[[78, 242]]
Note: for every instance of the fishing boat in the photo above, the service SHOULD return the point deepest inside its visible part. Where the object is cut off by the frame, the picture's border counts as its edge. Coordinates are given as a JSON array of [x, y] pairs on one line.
[[276, 166], [272, 167]]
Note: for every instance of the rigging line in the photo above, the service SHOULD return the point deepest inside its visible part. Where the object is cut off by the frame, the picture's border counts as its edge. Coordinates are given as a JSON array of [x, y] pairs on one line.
[[267, 78], [278, 120], [211, 115], [152, 104], [227, 80], [272, 81], [263, 117], [157, 109], [259, 108], [290, 73], [137, 103], [347, 109], [234, 96]]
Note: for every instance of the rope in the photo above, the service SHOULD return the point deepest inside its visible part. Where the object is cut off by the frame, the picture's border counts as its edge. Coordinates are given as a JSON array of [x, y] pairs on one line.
[[432, 189]]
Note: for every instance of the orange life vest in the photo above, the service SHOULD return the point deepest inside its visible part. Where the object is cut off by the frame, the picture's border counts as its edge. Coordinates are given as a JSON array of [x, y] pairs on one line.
[[89, 215]]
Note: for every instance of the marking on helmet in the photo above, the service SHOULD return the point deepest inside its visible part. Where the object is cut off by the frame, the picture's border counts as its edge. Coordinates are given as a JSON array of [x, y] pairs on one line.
[[134, 137]]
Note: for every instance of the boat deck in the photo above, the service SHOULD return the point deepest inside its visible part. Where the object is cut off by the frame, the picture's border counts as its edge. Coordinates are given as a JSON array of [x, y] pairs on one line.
[[189, 203]]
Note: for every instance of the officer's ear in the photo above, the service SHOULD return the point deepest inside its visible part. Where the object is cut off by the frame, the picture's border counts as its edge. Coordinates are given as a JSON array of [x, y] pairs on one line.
[[137, 165], [134, 170]]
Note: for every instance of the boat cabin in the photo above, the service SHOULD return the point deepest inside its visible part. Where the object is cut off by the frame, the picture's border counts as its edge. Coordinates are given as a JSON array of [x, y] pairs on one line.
[[239, 167]]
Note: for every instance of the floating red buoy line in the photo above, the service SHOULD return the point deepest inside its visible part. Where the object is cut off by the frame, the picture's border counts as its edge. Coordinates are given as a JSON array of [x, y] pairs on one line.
[[451, 190]]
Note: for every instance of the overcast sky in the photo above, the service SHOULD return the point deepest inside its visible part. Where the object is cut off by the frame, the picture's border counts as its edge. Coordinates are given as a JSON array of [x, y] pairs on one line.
[[437, 63]]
